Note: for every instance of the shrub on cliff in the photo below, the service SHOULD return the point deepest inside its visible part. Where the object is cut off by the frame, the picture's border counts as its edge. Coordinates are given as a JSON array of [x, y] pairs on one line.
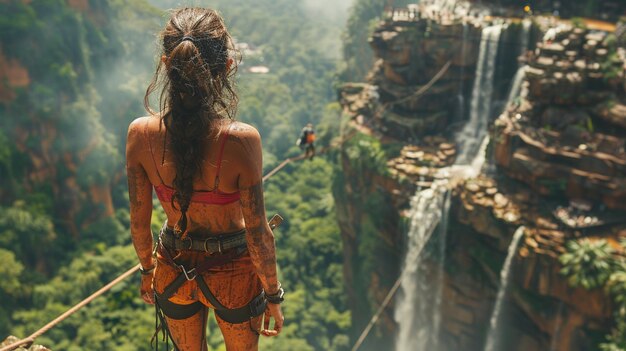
[[587, 263], [593, 264]]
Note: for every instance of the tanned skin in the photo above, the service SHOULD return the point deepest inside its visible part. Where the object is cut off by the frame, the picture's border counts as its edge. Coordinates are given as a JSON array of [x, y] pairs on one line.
[[241, 171]]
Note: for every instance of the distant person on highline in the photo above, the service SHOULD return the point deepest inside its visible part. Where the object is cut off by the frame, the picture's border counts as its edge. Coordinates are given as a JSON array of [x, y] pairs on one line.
[[307, 141], [216, 249]]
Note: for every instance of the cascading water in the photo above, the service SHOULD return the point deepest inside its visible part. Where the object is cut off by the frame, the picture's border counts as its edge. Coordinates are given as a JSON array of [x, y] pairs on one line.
[[470, 138], [443, 230], [492, 335], [514, 93], [516, 86], [418, 319], [425, 214]]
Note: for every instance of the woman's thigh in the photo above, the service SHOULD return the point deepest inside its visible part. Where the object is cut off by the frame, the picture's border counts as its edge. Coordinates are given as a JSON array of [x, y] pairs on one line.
[[241, 336], [234, 284], [189, 334]]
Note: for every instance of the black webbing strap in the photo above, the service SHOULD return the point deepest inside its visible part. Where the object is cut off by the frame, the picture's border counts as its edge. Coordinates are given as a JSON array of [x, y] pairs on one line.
[[210, 245], [177, 311], [243, 314], [236, 315], [209, 294]]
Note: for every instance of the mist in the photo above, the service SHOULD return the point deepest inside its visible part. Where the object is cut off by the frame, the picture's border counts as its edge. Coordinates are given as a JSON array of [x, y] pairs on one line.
[[331, 15], [332, 11]]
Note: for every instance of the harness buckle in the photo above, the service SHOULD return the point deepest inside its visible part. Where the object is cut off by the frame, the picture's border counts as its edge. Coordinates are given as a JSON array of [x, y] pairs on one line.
[[219, 245], [188, 273]]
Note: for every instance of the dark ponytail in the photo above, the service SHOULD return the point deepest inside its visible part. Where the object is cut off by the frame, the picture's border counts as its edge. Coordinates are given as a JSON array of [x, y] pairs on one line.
[[197, 90]]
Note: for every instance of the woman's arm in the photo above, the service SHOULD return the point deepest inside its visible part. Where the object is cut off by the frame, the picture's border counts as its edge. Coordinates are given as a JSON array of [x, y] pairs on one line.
[[259, 235], [140, 196]]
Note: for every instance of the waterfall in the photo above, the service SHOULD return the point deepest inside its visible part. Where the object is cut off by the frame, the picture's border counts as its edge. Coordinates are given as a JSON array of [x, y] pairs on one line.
[[469, 139], [443, 230], [516, 85], [514, 93], [425, 214], [492, 335], [418, 318]]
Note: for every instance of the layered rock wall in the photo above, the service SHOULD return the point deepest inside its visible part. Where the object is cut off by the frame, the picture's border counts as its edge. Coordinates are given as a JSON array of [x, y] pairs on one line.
[[423, 74]]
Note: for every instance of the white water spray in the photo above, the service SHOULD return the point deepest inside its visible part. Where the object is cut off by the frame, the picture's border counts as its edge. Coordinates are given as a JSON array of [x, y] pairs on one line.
[[492, 335], [469, 139], [425, 215], [516, 85], [443, 230]]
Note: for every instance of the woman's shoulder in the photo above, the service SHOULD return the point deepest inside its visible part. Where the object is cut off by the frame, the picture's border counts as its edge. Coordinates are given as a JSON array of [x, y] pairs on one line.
[[245, 139], [241, 130], [141, 125]]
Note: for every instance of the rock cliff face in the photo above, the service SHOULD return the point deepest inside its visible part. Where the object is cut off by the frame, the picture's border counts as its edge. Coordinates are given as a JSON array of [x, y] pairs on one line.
[[555, 164], [567, 136], [54, 141], [410, 54]]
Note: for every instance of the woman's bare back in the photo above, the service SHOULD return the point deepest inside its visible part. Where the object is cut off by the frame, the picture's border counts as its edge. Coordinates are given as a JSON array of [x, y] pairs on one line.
[[160, 169]]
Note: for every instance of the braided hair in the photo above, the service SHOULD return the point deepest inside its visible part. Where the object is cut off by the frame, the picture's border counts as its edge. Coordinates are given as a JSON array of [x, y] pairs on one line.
[[196, 90]]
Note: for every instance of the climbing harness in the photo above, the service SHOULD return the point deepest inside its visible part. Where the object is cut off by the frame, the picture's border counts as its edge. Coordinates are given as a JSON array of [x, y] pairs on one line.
[[222, 250]]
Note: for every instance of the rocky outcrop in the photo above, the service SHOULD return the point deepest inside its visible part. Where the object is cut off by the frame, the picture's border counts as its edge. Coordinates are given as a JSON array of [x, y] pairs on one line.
[[567, 136], [56, 139], [549, 313], [423, 68]]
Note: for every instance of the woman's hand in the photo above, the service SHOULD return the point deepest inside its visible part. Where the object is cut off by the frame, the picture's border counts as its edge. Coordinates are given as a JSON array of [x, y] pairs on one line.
[[147, 293], [274, 311]]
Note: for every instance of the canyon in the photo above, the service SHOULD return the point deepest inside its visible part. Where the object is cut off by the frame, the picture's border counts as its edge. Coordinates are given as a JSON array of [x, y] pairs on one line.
[[473, 131]]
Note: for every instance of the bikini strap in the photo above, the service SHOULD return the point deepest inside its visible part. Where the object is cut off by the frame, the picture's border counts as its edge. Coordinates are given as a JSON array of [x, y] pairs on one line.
[[219, 157], [145, 132]]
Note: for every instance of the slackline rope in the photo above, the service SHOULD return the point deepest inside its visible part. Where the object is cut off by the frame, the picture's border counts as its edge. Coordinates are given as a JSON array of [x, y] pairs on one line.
[[428, 85], [30, 339]]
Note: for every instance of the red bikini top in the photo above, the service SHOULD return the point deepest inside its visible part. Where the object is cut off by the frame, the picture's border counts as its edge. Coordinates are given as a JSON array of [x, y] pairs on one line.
[[212, 197]]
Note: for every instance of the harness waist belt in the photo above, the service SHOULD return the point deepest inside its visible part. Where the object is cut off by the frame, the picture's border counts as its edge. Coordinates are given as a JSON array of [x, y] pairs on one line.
[[211, 245]]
